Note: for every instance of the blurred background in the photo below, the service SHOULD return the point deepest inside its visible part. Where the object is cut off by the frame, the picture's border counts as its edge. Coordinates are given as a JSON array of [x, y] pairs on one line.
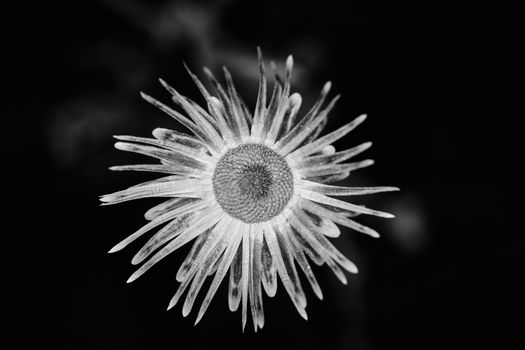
[[430, 75]]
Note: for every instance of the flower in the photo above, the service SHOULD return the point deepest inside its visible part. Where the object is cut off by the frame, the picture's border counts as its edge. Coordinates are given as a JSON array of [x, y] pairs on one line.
[[250, 191]]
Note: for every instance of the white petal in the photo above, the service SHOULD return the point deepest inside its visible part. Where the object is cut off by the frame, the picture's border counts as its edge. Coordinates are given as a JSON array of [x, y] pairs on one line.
[[333, 169], [334, 158], [234, 289], [154, 168], [338, 218], [194, 188], [214, 140], [296, 294], [226, 261], [199, 205], [320, 143], [238, 113], [302, 129], [184, 121], [166, 234], [328, 248], [269, 273], [329, 190], [167, 206], [260, 106], [319, 198], [184, 268], [277, 121], [173, 157], [244, 274], [305, 266], [164, 139], [195, 228], [213, 255]]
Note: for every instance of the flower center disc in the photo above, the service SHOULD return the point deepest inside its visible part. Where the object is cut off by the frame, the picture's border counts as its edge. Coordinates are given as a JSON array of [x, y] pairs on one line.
[[252, 183]]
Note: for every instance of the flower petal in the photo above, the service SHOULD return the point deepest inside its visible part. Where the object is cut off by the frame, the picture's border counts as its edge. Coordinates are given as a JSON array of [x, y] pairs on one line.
[[226, 261], [319, 198]]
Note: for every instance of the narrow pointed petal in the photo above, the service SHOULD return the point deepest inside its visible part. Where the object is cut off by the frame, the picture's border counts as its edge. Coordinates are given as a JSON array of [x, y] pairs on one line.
[[277, 121], [327, 246], [190, 150], [215, 267], [338, 218], [238, 113], [172, 157], [184, 268], [318, 130], [269, 272], [271, 110], [199, 205], [166, 234], [334, 158], [302, 129], [203, 113], [219, 89], [305, 266], [291, 116], [195, 228], [286, 252], [334, 169], [304, 241], [216, 234], [260, 106], [324, 226], [174, 138], [244, 276], [337, 271], [318, 144], [189, 187], [312, 113], [184, 121], [153, 168], [225, 102], [218, 110], [257, 273], [204, 93], [330, 178], [256, 238], [212, 257], [319, 102], [319, 198], [226, 261], [214, 139], [310, 243], [159, 180], [215, 112], [234, 290], [167, 206], [251, 289], [295, 294], [329, 190]]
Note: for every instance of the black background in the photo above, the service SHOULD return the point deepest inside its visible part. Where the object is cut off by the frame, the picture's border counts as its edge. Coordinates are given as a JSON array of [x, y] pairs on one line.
[[434, 79]]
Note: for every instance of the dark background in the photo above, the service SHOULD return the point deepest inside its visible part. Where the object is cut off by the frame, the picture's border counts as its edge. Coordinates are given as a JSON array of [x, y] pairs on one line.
[[434, 79]]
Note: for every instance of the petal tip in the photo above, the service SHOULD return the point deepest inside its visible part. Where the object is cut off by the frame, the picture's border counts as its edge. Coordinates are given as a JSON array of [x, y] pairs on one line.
[[114, 249], [185, 311], [326, 88], [170, 306], [199, 317], [361, 118]]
